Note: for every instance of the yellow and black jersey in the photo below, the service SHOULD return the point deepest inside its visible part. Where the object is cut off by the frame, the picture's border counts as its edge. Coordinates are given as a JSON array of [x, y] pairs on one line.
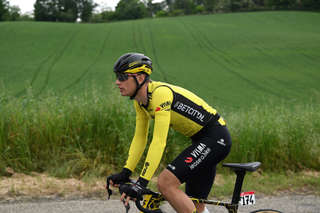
[[170, 106]]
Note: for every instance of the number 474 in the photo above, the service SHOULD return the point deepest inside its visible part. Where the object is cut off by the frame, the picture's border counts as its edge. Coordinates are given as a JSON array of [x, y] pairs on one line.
[[247, 198]]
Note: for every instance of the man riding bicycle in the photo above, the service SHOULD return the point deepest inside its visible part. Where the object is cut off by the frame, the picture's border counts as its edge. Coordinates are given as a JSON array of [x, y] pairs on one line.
[[177, 108]]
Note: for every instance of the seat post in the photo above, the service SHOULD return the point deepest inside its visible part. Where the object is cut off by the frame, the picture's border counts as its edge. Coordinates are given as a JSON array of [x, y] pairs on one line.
[[238, 185]]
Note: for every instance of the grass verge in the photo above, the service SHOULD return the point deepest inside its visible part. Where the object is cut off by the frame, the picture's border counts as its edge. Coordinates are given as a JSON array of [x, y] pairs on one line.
[[89, 135], [36, 185]]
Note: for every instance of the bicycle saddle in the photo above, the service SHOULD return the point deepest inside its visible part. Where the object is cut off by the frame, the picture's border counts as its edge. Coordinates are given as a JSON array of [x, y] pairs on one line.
[[252, 166]]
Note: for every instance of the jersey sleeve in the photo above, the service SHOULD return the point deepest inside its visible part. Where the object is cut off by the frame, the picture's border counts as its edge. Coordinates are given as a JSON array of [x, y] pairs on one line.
[[161, 105], [139, 141]]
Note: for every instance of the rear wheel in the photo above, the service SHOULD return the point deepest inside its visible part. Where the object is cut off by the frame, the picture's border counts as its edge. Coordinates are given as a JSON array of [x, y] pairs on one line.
[[266, 211]]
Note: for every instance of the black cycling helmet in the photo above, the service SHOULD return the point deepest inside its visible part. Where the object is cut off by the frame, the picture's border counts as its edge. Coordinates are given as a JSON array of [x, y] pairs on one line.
[[133, 63]]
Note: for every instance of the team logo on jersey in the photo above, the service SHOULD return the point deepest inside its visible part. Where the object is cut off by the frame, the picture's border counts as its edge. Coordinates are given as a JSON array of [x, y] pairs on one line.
[[188, 160], [172, 167], [188, 110], [146, 165], [199, 154], [164, 106], [222, 142], [198, 150]]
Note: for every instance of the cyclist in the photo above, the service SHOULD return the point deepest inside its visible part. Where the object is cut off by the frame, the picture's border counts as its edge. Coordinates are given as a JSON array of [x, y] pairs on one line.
[[177, 108]]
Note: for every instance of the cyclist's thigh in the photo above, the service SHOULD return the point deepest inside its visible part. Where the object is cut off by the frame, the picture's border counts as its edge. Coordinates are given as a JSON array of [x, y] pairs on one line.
[[203, 154], [200, 186]]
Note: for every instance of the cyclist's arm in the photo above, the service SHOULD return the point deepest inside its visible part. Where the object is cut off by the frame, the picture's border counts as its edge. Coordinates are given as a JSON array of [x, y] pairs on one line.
[[162, 96], [139, 141]]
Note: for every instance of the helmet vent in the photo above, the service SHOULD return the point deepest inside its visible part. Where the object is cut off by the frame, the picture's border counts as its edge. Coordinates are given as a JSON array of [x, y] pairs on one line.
[[126, 57], [140, 65], [124, 65], [146, 60]]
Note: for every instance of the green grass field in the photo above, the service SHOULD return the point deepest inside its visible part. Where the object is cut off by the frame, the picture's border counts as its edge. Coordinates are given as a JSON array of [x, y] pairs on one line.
[[60, 110], [231, 60]]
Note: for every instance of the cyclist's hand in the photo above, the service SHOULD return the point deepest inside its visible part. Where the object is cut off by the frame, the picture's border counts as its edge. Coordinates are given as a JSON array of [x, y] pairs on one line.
[[121, 177], [135, 190]]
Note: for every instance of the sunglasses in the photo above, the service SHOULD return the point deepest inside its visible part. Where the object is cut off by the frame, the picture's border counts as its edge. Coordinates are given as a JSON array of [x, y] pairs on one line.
[[124, 76]]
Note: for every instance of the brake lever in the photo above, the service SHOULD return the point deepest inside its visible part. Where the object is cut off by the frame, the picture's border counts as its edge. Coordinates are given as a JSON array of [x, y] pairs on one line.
[[108, 186], [122, 187], [126, 206]]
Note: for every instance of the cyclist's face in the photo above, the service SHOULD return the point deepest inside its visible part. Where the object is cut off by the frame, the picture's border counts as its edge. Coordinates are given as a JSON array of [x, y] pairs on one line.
[[127, 87]]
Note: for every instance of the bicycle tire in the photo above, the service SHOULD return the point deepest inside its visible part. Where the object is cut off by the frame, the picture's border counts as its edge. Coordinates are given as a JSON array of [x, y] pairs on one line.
[[266, 211]]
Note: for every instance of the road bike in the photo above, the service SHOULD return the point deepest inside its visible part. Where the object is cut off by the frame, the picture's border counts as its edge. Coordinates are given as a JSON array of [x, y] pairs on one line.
[[150, 201]]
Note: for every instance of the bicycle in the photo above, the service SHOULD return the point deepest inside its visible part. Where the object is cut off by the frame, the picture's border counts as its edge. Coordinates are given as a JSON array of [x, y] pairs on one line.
[[151, 200]]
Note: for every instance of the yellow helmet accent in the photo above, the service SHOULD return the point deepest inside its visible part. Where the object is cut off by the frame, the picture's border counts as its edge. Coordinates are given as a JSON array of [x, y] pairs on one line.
[[144, 68]]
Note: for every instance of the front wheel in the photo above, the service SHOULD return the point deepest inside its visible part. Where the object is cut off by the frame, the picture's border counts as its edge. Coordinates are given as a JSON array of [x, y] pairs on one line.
[[266, 211]]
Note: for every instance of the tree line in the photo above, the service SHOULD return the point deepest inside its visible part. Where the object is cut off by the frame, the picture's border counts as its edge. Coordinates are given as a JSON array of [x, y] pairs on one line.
[[85, 10], [50, 10], [11, 13]]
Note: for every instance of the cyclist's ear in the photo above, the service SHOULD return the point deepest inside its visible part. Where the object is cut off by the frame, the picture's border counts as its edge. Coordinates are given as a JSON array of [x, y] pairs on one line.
[[141, 78]]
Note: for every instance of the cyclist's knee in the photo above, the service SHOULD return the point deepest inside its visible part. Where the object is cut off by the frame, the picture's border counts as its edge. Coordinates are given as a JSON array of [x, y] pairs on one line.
[[167, 181], [161, 183]]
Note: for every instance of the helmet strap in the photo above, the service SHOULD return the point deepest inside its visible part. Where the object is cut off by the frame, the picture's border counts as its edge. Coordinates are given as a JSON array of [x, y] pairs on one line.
[[138, 86]]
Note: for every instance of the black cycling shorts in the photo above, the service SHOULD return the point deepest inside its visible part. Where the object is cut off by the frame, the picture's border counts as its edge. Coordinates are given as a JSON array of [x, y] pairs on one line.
[[196, 165]]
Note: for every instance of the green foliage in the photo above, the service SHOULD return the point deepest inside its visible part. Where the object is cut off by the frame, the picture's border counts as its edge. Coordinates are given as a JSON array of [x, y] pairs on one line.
[[233, 59], [154, 8], [27, 16], [281, 138], [68, 11], [130, 9], [90, 134], [73, 133], [125, 10], [45, 10], [9, 13], [72, 10], [187, 6], [310, 5], [208, 5], [13, 13], [198, 9], [162, 13], [177, 12], [3, 9], [283, 4], [87, 7], [63, 10]]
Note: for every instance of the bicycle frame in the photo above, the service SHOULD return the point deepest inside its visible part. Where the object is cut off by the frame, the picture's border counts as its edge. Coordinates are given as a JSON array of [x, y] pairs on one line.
[[232, 208], [239, 168]]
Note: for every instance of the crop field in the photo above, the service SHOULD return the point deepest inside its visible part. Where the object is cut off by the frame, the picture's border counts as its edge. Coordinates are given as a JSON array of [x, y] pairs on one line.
[[231, 60], [61, 112]]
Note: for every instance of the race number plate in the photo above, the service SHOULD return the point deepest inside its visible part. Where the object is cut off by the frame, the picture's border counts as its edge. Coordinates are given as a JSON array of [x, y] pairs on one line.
[[247, 198]]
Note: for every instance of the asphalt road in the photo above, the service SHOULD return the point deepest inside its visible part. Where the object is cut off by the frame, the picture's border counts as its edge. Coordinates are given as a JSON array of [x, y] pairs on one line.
[[287, 204]]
